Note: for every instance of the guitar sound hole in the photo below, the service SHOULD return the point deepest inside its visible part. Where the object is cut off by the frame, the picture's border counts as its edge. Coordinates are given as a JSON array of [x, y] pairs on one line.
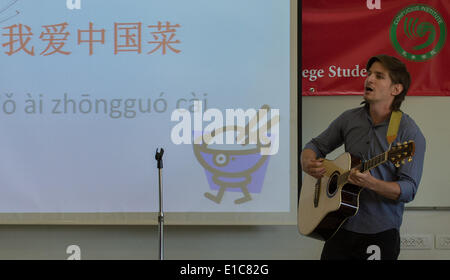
[[333, 184]]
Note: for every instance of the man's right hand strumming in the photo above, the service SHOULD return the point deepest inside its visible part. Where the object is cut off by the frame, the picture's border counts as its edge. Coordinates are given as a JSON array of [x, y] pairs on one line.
[[311, 165]]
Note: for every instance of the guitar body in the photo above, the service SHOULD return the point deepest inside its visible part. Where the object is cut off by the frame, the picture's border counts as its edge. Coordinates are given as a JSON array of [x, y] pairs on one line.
[[324, 205]]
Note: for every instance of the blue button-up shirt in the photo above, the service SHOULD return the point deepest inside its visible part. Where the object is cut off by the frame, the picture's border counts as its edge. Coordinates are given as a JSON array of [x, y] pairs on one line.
[[354, 128]]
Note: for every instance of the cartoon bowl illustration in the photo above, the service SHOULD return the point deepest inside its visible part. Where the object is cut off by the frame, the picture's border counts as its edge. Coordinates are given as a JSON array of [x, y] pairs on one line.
[[239, 169]]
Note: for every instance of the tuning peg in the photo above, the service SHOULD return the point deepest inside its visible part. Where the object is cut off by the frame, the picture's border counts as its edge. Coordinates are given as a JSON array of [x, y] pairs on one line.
[[409, 159], [403, 161], [405, 143], [392, 158], [399, 144], [405, 153], [397, 165], [399, 155]]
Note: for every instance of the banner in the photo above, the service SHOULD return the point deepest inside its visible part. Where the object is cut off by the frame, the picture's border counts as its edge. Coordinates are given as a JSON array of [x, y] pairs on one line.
[[339, 37]]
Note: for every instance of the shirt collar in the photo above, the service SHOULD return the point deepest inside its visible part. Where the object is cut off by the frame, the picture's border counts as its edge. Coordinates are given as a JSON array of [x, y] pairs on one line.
[[369, 118]]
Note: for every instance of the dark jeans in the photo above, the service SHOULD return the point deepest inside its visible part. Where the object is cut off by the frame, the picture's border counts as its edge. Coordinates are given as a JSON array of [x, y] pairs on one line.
[[347, 245]]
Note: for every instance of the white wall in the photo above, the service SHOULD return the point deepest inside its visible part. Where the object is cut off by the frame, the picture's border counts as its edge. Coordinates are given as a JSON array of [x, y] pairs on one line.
[[194, 242], [141, 242], [425, 223]]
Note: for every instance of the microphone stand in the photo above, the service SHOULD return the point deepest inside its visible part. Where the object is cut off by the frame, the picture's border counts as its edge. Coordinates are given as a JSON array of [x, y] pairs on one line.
[[158, 157]]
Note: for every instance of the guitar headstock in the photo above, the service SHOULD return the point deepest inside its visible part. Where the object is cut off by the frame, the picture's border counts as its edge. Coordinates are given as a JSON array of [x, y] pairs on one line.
[[398, 153]]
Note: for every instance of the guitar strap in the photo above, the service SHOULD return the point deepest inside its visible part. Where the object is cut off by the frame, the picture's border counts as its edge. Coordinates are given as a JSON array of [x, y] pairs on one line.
[[394, 123]]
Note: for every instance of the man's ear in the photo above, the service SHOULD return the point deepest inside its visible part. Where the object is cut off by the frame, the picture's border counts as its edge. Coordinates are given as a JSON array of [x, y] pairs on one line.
[[397, 89]]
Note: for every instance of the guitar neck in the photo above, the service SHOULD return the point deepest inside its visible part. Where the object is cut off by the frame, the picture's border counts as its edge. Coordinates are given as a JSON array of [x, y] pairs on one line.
[[364, 166], [373, 162]]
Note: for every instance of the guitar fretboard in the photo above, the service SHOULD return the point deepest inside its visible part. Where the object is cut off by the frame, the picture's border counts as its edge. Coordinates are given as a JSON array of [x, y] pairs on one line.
[[374, 162], [364, 166]]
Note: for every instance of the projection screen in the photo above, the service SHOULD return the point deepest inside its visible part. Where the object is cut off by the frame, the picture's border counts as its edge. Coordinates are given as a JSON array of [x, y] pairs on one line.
[[89, 90]]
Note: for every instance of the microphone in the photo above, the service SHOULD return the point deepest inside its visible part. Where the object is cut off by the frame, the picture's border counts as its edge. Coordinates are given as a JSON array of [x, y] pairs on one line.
[[158, 157]]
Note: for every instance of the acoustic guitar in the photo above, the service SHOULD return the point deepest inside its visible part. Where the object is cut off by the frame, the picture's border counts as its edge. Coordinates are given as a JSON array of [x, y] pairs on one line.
[[326, 203]]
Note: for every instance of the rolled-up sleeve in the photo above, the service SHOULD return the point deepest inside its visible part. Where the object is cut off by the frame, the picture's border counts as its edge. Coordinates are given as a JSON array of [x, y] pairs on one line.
[[410, 174], [329, 139]]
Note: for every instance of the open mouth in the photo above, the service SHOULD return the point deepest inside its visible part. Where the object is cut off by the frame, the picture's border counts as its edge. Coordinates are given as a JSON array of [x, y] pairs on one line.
[[369, 89]]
